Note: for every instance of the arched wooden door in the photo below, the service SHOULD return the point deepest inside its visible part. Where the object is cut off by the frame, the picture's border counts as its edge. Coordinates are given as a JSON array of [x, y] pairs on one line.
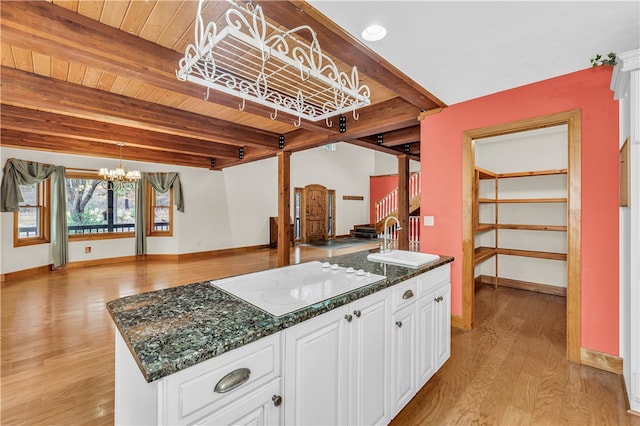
[[315, 213]]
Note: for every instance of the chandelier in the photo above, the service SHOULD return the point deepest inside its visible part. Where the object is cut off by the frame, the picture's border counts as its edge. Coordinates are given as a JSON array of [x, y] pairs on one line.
[[119, 177], [256, 61]]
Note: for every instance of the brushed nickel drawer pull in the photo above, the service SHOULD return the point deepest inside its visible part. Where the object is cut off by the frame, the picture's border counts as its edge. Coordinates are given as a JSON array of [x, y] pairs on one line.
[[277, 400], [232, 380], [407, 295]]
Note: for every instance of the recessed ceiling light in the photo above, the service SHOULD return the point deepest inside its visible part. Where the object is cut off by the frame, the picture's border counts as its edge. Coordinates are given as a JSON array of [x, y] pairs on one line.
[[374, 32]]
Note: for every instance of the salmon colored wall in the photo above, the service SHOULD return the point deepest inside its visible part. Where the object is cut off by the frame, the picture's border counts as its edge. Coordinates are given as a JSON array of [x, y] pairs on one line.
[[441, 138], [380, 187]]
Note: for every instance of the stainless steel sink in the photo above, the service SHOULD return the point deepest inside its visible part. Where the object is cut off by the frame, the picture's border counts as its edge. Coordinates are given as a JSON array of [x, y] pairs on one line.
[[409, 259]]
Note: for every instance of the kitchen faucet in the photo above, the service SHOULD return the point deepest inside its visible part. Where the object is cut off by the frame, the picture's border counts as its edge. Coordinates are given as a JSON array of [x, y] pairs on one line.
[[385, 243]]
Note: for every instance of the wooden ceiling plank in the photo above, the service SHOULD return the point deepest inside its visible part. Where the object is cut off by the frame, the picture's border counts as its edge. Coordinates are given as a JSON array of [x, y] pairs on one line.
[[59, 69], [160, 19], [76, 73], [91, 9], [105, 82], [73, 99], [71, 5], [119, 85], [41, 64], [136, 16], [22, 58], [113, 13], [46, 123], [7, 56]]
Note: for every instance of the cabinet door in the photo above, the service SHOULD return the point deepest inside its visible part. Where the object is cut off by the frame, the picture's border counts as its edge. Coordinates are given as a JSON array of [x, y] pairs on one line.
[[369, 360], [426, 338], [403, 351], [443, 324], [315, 368], [257, 408]]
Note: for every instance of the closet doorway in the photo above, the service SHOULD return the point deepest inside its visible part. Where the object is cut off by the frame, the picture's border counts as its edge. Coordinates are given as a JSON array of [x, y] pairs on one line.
[[491, 249]]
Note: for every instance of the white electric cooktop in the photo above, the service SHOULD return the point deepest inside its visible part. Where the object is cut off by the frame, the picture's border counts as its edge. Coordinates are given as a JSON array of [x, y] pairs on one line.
[[284, 290]]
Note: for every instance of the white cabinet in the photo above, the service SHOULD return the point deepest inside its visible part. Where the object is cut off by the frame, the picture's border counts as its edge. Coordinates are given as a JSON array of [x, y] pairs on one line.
[[337, 366], [247, 378], [315, 391], [369, 352], [403, 344], [358, 364], [421, 339], [434, 325]]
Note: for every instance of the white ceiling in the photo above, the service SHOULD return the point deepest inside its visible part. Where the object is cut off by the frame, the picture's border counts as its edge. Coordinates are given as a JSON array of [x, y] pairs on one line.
[[461, 50]]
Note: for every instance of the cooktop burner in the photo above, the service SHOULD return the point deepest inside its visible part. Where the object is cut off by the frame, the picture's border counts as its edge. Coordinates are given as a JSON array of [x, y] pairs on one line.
[[283, 290]]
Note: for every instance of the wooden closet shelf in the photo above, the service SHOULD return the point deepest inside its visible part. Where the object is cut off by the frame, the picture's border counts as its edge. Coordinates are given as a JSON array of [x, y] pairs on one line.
[[532, 200], [482, 227], [481, 254], [532, 227], [485, 174], [532, 253], [532, 173]]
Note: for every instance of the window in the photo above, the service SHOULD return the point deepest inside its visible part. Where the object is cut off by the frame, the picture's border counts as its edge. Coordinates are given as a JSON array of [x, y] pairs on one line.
[[297, 202], [96, 210], [159, 212], [31, 220], [331, 213]]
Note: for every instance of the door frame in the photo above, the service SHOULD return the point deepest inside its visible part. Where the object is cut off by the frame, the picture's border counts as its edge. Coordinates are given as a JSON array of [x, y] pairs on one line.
[[574, 170], [330, 213]]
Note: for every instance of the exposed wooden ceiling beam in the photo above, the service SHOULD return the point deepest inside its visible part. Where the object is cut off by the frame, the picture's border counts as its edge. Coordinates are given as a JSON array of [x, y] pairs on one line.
[[17, 139], [366, 143], [46, 123], [350, 50], [53, 30], [399, 137], [383, 117], [20, 88]]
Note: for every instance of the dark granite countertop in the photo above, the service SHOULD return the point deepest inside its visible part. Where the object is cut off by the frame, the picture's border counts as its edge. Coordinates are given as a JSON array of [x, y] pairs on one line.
[[175, 328]]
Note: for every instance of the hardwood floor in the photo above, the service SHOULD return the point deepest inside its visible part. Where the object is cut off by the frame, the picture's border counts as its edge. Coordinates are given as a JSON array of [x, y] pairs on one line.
[[57, 358], [512, 369]]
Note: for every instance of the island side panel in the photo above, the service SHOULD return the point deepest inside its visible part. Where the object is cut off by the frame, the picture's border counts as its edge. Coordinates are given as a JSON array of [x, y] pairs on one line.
[[136, 401]]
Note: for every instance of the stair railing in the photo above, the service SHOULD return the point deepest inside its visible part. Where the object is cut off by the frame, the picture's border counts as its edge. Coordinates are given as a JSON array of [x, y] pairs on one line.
[[414, 230], [389, 203]]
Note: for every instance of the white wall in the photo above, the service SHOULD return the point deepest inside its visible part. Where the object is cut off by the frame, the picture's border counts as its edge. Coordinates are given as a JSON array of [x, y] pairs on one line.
[[347, 170], [387, 164], [222, 209], [544, 149]]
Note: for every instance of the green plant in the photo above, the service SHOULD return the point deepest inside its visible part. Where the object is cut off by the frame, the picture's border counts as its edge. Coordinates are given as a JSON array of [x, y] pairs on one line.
[[610, 60]]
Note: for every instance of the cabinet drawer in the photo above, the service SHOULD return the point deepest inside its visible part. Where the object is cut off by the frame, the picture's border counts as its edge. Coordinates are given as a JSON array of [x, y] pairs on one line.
[[200, 389], [428, 281], [404, 294]]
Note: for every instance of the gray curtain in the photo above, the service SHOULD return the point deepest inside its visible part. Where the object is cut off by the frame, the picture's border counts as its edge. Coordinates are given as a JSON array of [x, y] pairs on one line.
[[21, 172], [161, 182]]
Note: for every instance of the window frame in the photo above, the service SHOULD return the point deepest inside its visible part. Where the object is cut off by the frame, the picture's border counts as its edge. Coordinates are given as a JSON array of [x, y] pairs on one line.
[[87, 174], [151, 197], [43, 204]]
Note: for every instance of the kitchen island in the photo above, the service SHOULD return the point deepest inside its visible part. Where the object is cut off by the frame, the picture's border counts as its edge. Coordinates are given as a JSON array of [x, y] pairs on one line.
[[173, 346]]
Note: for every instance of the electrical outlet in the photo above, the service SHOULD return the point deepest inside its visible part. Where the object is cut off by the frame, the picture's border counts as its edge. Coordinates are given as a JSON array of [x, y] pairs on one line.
[[428, 221], [87, 249]]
